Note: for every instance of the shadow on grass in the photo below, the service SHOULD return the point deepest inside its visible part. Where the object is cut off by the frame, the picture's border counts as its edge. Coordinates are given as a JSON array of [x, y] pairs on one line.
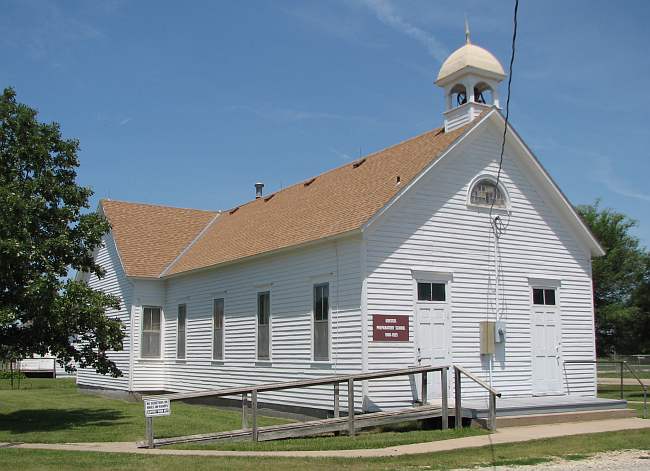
[[47, 420]]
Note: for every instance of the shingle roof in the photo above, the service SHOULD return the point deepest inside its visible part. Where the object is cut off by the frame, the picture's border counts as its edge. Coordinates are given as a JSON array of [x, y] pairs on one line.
[[156, 241], [150, 237]]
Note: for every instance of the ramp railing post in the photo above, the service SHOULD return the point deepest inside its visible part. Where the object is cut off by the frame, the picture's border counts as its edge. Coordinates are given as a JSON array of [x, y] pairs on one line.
[[244, 411], [148, 422], [425, 393], [254, 413], [493, 412], [337, 411], [445, 401], [458, 419], [351, 407]]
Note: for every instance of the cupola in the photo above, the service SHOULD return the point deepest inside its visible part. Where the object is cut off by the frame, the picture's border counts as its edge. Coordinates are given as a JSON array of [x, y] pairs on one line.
[[470, 77]]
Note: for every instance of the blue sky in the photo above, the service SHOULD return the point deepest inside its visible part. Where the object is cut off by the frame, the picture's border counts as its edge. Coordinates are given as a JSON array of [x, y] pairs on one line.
[[189, 103]]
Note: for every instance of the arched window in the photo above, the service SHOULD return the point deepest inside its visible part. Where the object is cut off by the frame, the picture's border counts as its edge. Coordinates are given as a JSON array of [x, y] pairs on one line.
[[483, 93], [458, 95], [485, 192]]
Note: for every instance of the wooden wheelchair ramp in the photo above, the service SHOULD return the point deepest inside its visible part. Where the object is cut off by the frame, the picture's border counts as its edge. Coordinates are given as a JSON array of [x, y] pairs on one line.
[[312, 427], [349, 423]]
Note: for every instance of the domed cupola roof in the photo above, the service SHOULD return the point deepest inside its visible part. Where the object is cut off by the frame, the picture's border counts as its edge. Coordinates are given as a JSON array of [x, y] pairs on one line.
[[474, 57]]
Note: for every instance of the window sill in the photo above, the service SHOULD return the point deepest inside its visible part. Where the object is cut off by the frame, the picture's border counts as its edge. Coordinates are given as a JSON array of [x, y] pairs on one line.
[[180, 360], [151, 360], [265, 363], [217, 362], [321, 364]]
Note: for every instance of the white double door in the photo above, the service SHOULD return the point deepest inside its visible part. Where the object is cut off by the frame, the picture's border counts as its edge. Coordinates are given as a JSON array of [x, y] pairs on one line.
[[433, 342], [546, 350]]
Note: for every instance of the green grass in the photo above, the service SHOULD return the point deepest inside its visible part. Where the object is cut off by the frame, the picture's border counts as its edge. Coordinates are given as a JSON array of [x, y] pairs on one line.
[[54, 411], [626, 374], [631, 393], [402, 434], [533, 452]]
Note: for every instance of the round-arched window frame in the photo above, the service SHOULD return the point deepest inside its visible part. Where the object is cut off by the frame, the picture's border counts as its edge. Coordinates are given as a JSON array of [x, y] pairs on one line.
[[485, 192]]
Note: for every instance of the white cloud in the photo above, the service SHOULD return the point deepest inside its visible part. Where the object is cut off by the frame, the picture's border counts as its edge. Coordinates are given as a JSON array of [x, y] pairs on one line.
[[125, 120], [385, 12], [604, 173]]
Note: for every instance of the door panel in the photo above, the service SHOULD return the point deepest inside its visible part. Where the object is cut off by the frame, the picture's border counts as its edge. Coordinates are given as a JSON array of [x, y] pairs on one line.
[[433, 337], [547, 378]]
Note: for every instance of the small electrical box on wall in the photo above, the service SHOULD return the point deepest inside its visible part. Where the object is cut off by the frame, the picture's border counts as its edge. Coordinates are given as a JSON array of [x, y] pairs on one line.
[[499, 332], [487, 331]]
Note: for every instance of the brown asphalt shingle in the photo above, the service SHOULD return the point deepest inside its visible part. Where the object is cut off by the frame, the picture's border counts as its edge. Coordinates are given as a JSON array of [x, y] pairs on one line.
[[156, 241], [150, 237], [336, 202]]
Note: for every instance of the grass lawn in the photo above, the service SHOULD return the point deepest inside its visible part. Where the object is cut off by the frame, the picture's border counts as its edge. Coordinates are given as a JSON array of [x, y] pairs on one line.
[[539, 451], [54, 411], [626, 374], [631, 393]]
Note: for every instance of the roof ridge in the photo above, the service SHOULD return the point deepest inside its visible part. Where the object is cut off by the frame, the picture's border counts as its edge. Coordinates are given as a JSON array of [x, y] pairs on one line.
[[186, 248], [102, 200]]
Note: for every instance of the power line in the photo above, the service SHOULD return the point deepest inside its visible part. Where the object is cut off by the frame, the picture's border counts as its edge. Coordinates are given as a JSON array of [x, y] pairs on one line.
[[496, 222]]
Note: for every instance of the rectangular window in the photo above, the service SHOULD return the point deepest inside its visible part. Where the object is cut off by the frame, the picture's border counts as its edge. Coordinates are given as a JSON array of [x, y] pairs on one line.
[[431, 291], [180, 333], [321, 322], [150, 347], [217, 330], [544, 296], [263, 325]]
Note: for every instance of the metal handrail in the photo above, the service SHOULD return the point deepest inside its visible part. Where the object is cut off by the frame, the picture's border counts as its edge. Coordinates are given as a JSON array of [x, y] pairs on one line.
[[622, 364], [492, 407]]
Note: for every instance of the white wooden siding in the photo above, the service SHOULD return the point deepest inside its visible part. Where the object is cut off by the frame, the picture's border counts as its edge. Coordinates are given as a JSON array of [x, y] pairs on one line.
[[432, 228], [291, 277], [114, 282]]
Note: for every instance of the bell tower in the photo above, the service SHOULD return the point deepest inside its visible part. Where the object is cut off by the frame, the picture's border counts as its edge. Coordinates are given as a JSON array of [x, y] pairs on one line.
[[470, 77]]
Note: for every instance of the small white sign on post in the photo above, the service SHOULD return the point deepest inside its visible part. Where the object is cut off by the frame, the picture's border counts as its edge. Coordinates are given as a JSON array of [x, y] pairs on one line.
[[157, 407]]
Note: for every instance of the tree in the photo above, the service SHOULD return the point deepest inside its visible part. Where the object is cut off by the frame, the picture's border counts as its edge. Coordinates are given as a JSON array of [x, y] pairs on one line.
[[621, 283], [43, 234]]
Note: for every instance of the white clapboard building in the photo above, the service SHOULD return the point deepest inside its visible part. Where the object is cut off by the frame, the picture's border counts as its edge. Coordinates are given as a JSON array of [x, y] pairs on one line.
[[395, 260]]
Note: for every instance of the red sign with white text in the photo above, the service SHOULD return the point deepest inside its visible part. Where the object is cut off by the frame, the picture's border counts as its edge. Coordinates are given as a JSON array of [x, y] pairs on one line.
[[386, 328]]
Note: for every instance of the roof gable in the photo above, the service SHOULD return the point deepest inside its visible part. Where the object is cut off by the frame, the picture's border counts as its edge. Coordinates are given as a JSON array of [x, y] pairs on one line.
[[149, 237]]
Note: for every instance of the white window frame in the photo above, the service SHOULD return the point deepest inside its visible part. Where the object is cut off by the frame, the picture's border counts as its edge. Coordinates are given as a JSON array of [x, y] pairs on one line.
[[263, 290], [223, 329], [312, 321], [160, 347], [491, 178], [178, 309]]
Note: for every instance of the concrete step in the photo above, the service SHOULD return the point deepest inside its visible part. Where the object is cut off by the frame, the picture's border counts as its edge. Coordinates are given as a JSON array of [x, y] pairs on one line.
[[564, 417]]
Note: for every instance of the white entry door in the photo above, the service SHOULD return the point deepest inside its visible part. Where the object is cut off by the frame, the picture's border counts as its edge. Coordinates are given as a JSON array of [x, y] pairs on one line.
[[546, 343], [433, 334]]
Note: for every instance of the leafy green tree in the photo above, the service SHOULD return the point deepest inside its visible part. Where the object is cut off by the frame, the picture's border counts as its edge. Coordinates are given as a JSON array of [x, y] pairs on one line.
[[621, 282], [44, 234]]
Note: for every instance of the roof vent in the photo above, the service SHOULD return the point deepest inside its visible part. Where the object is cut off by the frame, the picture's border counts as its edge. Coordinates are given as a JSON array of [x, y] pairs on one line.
[[258, 189], [310, 181], [233, 210], [358, 163], [269, 197]]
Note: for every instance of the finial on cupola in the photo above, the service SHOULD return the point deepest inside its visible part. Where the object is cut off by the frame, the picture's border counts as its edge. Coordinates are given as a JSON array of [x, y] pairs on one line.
[[470, 77]]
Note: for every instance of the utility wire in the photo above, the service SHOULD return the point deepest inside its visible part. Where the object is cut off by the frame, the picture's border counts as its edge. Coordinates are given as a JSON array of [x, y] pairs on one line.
[[496, 222]]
